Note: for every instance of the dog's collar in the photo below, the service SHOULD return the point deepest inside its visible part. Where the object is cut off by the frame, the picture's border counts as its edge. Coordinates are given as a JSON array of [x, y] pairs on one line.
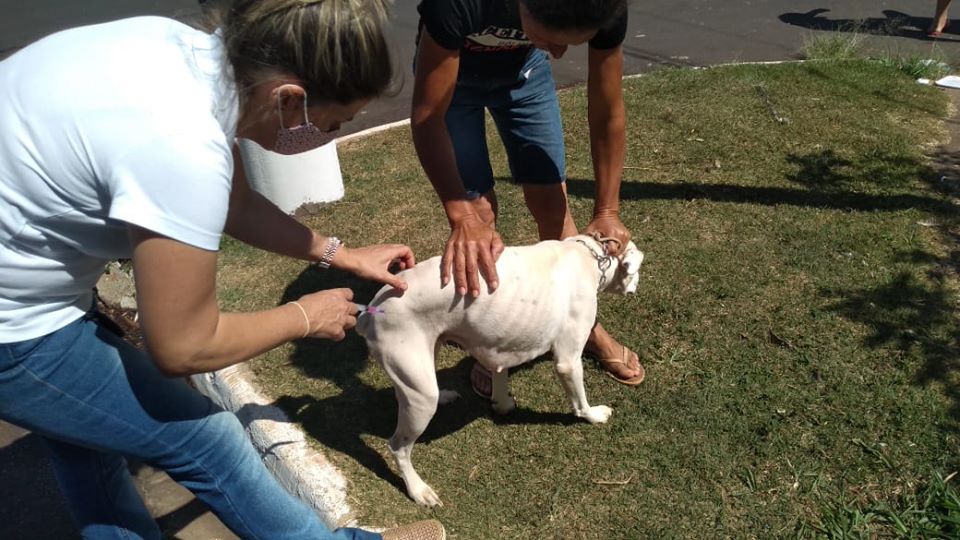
[[604, 260]]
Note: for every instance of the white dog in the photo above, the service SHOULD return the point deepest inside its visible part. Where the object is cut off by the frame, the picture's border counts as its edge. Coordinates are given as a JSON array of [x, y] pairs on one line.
[[546, 301]]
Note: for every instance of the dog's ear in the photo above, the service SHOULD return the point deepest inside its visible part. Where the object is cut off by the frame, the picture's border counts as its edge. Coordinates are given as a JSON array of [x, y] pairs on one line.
[[628, 275], [632, 259]]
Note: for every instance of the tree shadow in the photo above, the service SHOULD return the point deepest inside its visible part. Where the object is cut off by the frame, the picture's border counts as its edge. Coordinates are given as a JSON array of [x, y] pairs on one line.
[[344, 422], [911, 317], [893, 23], [906, 314], [823, 180]]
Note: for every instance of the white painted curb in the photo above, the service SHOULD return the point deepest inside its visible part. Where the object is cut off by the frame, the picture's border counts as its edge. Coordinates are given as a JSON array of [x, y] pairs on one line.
[[302, 471]]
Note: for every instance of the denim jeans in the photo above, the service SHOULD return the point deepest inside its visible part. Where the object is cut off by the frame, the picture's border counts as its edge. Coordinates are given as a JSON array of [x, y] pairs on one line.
[[95, 399], [527, 115]]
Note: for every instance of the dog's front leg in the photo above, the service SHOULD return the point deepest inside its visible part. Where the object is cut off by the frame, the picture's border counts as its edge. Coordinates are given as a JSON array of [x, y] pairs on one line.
[[503, 402], [569, 370]]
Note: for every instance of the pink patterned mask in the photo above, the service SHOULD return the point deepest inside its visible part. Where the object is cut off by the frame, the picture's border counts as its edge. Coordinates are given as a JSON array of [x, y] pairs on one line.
[[302, 138]]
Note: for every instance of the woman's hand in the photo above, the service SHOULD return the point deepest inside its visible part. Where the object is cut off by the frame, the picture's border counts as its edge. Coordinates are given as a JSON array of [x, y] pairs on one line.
[[374, 262], [610, 227], [330, 313], [473, 248]]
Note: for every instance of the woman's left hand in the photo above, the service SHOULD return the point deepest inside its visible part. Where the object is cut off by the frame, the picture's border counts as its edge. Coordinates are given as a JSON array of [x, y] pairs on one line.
[[375, 262], [610, 227]]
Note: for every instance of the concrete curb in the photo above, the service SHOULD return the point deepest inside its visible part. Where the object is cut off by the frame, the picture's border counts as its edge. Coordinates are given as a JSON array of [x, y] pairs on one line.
[[301, 470]]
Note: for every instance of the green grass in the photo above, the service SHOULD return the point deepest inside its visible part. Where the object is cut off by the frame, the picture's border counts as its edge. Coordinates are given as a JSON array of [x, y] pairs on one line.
[[850, 44], [797, 314], [842, 45]]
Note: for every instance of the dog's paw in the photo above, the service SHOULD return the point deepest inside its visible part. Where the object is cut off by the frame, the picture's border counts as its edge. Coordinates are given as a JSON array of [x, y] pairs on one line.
[[448, 396], [425, 496], [504, 406], [597, 414]]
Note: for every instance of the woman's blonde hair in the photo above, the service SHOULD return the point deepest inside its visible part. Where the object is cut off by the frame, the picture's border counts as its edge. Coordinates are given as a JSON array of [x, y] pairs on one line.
[[337, 48]]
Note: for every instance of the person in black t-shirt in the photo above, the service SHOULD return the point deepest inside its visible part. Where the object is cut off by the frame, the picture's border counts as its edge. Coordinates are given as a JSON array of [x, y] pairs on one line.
[[477, 55]]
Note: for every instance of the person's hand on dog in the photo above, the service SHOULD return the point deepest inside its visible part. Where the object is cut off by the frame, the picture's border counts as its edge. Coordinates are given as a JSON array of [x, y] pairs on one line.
[[376, 262], [473, 248], [610, 226], [330, 313]]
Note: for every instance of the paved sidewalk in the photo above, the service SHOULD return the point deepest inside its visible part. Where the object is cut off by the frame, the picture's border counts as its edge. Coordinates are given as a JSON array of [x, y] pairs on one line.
[[662, 33]]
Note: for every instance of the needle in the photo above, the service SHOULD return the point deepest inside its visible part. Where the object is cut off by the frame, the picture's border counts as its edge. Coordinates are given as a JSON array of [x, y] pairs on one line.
[[372, 310]]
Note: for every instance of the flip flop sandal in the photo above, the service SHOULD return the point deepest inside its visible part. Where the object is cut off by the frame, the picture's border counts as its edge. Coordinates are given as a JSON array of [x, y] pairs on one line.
[[624, 360], [938, 33], [480, 372]]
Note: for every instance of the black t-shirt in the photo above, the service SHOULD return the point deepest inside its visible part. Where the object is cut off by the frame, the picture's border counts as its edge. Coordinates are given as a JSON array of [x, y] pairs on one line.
[[489, 35]]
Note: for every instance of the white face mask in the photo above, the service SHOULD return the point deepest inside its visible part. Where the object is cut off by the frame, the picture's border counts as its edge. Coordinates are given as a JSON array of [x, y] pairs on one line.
[[302, 138]]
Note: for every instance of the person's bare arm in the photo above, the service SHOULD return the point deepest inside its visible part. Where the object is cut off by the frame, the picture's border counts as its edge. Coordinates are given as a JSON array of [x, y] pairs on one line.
[[254, 220], [184, 330], [474, 245], [607, 118]]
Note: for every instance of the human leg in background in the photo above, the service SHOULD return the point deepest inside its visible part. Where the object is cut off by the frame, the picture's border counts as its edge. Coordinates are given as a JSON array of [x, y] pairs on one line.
[[532, 131], [546, 203], [466, 125], [939, 22]]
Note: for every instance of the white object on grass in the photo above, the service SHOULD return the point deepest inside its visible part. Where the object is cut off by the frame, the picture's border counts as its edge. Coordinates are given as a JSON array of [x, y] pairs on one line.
[[292, 181], [950, 81]]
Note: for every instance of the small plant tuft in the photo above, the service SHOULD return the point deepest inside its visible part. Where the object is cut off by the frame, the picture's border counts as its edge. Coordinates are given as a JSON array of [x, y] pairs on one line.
[[832, 46], [917, 66], [930, 511]]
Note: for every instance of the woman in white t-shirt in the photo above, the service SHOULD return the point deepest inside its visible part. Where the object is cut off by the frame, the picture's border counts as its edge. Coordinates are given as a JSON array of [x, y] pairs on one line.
[[117, 140]]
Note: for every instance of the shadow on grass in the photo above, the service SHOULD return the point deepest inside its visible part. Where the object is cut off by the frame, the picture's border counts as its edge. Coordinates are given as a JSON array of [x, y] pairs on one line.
[[905, 313], [340, 422], [893, 23], [823, 175], [911, 316]]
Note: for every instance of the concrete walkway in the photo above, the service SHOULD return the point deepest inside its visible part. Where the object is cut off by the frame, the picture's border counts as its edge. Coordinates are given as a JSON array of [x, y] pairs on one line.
[[662, 33]]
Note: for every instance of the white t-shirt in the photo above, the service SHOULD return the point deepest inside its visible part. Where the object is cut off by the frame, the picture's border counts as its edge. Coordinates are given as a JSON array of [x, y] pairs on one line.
[[125, 122]]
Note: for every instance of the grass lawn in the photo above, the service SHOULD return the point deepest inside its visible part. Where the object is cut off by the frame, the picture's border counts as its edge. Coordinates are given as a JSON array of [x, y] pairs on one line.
[[797, 314]]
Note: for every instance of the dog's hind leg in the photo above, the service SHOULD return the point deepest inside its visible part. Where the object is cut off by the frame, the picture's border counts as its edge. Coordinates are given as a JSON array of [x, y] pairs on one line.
[[569, 368], [415, 383], [446, 396]]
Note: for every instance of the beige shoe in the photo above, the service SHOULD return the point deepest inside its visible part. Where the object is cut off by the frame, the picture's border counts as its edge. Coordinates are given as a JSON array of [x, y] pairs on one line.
[[430, 529]]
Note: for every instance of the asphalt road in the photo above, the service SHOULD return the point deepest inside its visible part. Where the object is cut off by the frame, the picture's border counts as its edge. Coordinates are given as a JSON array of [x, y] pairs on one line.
[[662, 33]]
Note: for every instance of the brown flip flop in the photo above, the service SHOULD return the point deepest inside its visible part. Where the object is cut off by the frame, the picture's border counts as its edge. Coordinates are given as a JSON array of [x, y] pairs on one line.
[[624, 360], [478, 373]]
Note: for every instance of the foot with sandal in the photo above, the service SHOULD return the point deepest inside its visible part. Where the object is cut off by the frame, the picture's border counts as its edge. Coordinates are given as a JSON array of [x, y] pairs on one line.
[[939, 23], [620, 363]]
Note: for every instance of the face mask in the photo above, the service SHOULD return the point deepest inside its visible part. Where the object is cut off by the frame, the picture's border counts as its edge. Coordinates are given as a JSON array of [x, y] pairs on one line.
[[302, 138]]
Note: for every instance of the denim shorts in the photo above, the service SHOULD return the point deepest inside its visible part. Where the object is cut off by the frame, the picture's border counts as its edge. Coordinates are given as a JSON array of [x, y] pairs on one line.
[[527, 116]]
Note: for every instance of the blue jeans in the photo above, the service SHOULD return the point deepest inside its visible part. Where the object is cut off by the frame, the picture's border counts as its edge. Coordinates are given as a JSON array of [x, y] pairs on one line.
[[527, 115], [95, 398]]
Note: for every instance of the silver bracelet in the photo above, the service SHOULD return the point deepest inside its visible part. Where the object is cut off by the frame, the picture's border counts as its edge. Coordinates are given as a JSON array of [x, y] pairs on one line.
[[333, 244]]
